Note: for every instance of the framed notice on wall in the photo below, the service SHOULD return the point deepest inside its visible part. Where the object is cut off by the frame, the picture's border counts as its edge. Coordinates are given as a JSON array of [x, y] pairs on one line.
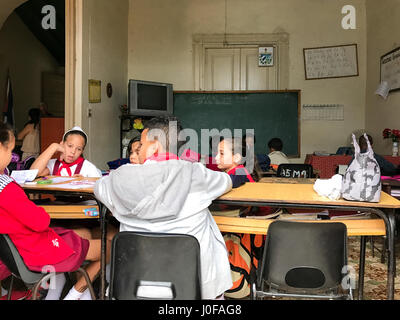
[[390, 69], [331, 62]]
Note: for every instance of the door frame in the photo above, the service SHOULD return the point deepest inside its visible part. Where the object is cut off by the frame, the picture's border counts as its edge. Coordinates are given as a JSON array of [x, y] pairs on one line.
[[73, 62], [202, 42]]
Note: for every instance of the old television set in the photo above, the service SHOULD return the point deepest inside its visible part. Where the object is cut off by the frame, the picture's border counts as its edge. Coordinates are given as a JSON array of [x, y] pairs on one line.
[[150, 98]]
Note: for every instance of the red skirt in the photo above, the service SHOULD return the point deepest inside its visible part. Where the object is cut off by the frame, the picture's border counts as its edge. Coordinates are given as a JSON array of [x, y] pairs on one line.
[[74, 261]]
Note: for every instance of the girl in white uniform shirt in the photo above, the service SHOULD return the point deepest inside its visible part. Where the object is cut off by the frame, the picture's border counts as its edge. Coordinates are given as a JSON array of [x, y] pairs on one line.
[[71, 162]]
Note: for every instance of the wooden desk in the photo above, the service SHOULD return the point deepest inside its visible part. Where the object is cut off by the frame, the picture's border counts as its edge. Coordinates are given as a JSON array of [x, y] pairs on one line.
[[389, 184], [326, 165], [360, 227], [56, 190], [288, 180], [291, 195], [69, 211]]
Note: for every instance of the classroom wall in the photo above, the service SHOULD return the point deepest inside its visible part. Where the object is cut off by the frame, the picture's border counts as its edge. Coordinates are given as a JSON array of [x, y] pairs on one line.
[[104, 52], [383, 36], [160, 49], [16, 40]]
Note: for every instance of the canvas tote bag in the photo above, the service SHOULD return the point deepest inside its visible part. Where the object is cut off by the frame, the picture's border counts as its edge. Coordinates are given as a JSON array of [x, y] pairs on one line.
[[362, 180]]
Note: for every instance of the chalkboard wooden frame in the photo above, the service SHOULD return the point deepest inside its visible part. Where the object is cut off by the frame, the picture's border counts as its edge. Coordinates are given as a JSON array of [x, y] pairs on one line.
[[296, 91], [382, 75], [355, 62]]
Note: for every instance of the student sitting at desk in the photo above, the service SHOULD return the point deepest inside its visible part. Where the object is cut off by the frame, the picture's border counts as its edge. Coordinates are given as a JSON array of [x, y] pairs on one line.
[[387, 168], [169, 195], [133, 150], [30, 135], [71, 162], [39, 245], [230, 158], [276, 155]]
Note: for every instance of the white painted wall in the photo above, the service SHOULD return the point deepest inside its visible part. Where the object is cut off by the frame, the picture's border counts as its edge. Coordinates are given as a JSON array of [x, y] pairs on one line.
[[16, 40], [383, 35], [160, 49], [104, 46]]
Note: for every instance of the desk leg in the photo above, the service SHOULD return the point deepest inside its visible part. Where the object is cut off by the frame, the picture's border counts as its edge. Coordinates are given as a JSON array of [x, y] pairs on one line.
[[391, 254], [361, 268], [103, 227]]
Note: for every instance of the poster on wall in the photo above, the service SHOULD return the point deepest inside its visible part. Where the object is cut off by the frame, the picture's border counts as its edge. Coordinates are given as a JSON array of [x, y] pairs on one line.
[[390, 69], [265, 56]]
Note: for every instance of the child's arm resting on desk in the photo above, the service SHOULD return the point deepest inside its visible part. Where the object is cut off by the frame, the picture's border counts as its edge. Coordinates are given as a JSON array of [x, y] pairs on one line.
[[14, 201], [217, 182], [102, 192]]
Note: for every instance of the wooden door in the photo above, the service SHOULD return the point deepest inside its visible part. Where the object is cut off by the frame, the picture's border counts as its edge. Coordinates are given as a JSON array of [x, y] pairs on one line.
[[237, 69]]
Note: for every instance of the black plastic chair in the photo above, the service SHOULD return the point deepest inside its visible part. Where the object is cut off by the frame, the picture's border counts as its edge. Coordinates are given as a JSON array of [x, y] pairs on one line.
[[155, 266], [295, 170], [304, 260], [10, 256]]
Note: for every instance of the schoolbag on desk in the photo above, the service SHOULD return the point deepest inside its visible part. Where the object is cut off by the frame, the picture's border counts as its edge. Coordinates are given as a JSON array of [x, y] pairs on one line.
[[362, 180]]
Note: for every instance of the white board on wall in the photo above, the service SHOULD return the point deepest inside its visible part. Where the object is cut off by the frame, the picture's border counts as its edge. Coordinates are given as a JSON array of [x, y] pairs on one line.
[[331, 62], [390, 69]]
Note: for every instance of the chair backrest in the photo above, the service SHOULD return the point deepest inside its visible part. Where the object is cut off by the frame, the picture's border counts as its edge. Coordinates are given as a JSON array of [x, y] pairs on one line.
[[155, 266], [295, 170], [303, 256], [10, 256]]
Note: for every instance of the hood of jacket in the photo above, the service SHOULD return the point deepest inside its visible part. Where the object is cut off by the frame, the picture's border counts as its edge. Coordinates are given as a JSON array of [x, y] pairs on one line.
[[154, 191]]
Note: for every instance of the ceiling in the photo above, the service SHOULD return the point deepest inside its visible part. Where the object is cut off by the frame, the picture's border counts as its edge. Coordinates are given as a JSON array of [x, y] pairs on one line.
[[53, 39]]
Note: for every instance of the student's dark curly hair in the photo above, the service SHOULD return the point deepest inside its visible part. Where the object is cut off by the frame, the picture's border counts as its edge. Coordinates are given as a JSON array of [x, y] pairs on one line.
[[5, 133]]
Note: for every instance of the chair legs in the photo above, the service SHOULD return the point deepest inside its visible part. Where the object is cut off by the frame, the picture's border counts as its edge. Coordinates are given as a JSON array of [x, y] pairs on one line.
[[86, 276], [10, 288], [47, 277]]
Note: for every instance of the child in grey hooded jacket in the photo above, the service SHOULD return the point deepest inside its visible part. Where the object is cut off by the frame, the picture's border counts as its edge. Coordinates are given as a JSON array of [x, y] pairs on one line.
[[167, 195]]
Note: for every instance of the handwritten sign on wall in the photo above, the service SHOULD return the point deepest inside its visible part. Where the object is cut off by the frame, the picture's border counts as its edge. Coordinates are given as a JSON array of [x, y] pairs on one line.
[[331, 62], [390, 69]]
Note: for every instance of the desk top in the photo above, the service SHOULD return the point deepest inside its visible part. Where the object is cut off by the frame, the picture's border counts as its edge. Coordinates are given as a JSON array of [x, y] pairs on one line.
[[60, 186], [298, 193], [288, 180]]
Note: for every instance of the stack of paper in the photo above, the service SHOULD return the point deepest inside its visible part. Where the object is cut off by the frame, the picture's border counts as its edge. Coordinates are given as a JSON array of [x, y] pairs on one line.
[[22, 176]]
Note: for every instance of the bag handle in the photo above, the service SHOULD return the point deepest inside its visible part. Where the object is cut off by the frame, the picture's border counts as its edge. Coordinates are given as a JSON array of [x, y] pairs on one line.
[[355, 144]]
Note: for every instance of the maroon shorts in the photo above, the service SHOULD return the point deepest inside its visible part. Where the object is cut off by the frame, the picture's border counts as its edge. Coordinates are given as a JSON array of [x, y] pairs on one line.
[[74, 261]]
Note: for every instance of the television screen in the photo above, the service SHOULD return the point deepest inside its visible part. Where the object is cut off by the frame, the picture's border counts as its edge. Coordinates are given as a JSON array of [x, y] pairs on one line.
[[150, 98]]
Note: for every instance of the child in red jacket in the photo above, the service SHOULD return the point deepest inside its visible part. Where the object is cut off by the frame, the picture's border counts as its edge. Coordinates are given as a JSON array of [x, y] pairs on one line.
[[39, 245]]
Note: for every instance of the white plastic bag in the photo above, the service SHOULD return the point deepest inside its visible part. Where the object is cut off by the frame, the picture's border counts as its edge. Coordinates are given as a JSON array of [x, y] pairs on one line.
[[330, 188], [362, 180]]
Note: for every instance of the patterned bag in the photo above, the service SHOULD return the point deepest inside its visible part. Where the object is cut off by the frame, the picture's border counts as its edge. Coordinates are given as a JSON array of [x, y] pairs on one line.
[[245, 251], [362, 180]]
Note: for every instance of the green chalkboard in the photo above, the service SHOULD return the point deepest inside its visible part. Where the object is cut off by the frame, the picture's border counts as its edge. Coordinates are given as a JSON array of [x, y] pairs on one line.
[[270, 113]]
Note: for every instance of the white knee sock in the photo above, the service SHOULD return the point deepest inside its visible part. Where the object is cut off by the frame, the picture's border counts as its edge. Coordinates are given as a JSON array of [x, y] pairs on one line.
[[86, 295], [73, 294], [55, 293]]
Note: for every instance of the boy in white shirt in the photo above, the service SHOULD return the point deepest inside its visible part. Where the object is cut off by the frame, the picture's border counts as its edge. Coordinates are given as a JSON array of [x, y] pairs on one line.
[[168, 195], [276, 155]]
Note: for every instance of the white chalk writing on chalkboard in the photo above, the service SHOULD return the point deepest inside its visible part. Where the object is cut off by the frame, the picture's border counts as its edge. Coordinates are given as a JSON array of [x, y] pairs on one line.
[[331, 62], [221, 99]]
